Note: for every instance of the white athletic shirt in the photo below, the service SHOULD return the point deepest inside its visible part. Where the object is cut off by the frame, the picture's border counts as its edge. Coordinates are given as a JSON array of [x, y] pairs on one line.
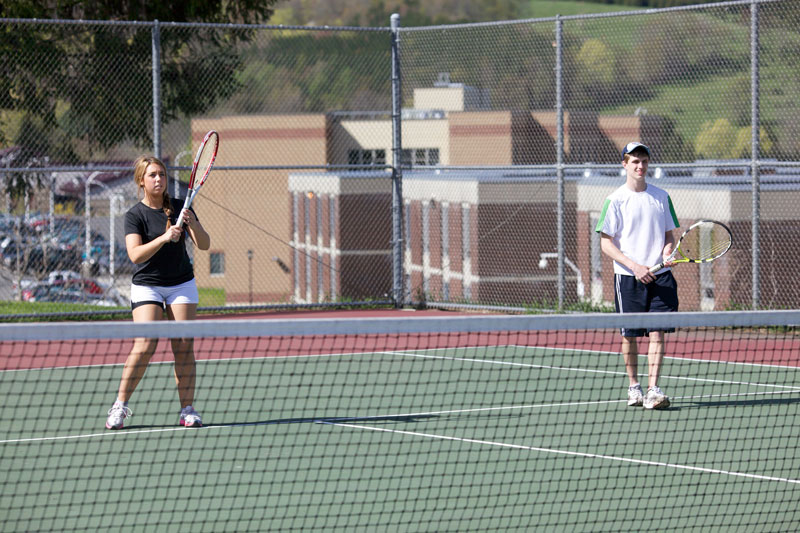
[[637, 223]]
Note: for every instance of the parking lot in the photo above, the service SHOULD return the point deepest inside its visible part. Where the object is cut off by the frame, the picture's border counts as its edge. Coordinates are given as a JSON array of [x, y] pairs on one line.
[[44, 259]]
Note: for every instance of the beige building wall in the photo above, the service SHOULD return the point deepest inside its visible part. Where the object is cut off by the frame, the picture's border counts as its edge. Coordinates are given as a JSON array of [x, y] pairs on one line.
[[481, 138], [444, 98], [377, 135], [248, 210]]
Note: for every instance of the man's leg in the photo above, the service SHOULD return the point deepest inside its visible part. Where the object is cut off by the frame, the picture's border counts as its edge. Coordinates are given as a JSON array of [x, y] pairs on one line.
[[630, 354], [655, 355]]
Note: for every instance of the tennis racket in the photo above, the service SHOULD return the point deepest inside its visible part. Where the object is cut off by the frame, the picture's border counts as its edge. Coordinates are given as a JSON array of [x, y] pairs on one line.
[[704, 241], [201, 167]]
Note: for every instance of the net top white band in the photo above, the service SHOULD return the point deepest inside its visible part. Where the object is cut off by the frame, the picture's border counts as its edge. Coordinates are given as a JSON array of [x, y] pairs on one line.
[[389, 325]]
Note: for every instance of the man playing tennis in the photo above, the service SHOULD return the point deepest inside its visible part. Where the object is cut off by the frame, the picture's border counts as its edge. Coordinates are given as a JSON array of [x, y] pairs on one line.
[[636, 232], [162, 282]]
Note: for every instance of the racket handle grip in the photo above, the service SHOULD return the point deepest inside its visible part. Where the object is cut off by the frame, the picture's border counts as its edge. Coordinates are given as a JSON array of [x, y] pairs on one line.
[[180, 217], [656, 268]]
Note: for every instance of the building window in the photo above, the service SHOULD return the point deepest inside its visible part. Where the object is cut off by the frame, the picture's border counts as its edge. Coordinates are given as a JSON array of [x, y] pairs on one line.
[[354, 157], [217, 263], [420, 157], [366, 157]]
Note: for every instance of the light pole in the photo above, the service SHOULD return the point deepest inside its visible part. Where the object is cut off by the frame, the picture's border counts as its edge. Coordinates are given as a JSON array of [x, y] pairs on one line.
[[51, 217], [177, 180], [87, 213], [580, 289], [250, 274], [114, 200]]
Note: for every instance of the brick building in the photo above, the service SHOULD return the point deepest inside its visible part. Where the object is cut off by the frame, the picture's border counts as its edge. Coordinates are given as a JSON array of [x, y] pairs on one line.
[[471, 236]]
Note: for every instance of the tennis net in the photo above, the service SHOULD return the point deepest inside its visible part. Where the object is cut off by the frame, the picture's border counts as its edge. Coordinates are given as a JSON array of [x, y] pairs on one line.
[[455, 423]]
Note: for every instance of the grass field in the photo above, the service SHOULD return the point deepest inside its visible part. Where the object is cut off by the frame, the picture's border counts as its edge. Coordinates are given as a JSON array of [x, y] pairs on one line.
[[537, 9], [209, 297]]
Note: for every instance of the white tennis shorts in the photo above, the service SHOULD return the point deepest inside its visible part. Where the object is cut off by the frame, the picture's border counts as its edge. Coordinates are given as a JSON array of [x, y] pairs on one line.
[[185, 293]]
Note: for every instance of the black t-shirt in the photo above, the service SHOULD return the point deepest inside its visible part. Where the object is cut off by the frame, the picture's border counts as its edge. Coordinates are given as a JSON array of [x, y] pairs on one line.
[[170, 265]]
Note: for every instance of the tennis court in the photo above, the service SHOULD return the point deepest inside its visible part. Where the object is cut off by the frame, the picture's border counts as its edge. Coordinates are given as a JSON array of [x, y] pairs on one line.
[[464, 425]]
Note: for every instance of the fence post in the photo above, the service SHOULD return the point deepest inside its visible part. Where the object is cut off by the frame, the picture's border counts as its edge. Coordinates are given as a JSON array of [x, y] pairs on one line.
[[560, 167], [754, 166], [397, 171], [156, 39]]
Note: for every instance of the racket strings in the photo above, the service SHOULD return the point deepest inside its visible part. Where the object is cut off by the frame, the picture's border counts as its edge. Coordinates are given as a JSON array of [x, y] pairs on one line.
[[207, 157], [703, 248]]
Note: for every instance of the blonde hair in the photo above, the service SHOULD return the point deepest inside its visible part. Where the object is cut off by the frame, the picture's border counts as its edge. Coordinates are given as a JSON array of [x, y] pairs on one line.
[[139, 170]]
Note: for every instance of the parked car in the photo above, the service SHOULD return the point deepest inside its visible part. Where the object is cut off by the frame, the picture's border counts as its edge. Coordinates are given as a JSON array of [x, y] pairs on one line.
[[73, 290], [35, 258]]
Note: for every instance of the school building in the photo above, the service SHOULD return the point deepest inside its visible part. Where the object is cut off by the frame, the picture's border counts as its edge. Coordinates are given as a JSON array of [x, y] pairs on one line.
[[483, 236]]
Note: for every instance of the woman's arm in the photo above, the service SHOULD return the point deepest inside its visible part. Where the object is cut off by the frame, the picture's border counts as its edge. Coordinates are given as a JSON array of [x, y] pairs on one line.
[[196, 231], [139, 253]]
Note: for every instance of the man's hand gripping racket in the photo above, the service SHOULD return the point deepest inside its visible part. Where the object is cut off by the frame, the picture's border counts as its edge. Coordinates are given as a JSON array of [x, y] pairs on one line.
[[704, 241], [201, 167]]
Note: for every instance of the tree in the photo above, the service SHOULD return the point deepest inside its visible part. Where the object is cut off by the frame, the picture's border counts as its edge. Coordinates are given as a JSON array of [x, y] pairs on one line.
[[716, 140], [721, 140], [744, 142], [240, 11], [83, 88], [596, 61]]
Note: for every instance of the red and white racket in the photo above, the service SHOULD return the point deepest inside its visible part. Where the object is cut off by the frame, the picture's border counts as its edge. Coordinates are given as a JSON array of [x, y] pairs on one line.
[[201, 167]]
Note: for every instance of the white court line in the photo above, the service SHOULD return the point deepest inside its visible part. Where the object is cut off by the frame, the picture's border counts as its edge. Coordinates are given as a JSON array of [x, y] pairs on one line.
[[644, 356], [271, 358], [573, 453], [336, 420], [585, 370], [536, 406], [109, 433], [424, 356], [278, 358]]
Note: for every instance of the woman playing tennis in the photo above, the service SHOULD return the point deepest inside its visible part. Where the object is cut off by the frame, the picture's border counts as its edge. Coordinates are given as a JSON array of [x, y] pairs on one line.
[[163, 280]]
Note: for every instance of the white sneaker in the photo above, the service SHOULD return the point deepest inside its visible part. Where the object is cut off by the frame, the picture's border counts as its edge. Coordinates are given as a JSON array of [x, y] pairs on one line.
[[117, 415], [655, 399], [190, 418], [635, 395]]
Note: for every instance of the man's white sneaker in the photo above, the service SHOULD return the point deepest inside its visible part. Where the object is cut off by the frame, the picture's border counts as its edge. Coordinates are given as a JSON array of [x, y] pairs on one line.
[[655, 399], [635, 395]]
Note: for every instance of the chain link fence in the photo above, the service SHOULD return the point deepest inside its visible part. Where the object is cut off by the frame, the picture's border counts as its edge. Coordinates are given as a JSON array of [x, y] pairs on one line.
[[475, 158]]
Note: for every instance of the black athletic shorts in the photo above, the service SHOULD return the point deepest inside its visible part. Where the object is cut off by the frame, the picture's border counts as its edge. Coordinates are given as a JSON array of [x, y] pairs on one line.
[[633, 296]]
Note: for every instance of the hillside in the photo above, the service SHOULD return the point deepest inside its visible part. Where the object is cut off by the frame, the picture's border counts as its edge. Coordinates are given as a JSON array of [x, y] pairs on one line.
[[415, 12]]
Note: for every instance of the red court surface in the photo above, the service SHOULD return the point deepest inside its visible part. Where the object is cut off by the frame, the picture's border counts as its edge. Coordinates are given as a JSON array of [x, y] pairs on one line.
[[741, 346]]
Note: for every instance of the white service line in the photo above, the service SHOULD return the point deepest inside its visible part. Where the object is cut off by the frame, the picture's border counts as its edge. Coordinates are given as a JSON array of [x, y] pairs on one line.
[[338, 420], [585, 370], [573, 454]]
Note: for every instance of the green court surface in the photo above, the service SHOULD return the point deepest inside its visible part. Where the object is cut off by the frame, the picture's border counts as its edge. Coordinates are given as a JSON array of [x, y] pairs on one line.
[[480, 439]]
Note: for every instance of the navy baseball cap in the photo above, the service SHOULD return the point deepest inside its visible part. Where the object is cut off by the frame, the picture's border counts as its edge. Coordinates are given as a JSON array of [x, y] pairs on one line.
[[630, 147]]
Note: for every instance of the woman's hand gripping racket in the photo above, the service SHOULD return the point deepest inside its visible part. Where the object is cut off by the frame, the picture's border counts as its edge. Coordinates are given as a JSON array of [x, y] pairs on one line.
[[704, 241], [201, 167]]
